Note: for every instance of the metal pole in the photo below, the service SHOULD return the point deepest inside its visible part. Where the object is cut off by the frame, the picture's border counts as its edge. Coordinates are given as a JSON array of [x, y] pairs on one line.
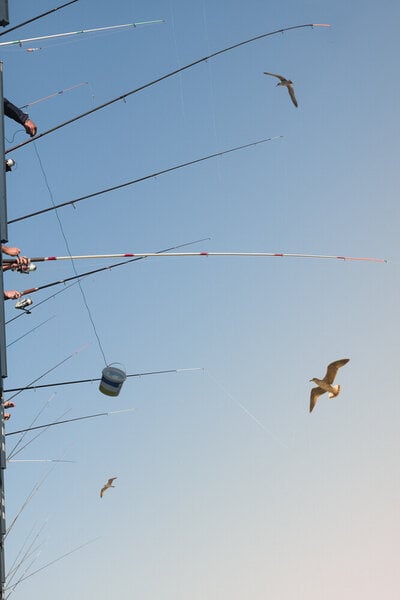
[[3, 363]]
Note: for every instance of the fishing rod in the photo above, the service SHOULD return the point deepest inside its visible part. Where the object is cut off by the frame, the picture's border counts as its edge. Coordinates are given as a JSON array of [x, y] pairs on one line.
[[193, 254], [19, 390], [103, 414], [163, 77], [68, 89], [144, 178], [43, 430], [30, 331], [108, 268], [23, 304], [70, 33], [93, 271], [40, 460], [13, 452], [50, 563], [38, 17], [46, 385]]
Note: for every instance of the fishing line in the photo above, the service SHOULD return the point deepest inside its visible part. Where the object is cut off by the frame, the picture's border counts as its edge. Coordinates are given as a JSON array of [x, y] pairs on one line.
[[140, 179], [246, 410], [89, 312], [163, 77]]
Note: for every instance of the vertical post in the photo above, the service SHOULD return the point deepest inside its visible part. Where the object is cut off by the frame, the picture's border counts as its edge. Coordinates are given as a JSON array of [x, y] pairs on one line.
[[3, 362], [4, 13]]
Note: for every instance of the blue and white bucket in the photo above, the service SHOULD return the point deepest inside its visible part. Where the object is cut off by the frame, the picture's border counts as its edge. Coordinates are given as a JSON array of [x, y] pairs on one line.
[[112, 379]]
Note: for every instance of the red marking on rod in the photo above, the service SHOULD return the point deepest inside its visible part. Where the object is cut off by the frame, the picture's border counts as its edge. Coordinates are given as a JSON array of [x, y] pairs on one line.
[[203, 253], [278, 254], [129, 255], [52, 258]]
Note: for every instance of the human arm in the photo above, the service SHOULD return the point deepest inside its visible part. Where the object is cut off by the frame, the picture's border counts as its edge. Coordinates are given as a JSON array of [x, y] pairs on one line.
[[16, 114]]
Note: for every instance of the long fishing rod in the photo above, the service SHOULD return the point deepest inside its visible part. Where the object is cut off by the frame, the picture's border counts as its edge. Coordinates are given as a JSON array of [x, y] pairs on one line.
[[193, 254], [38, 17], [108, 268], [163, 77], [46, 385], [93, 271], [103, 414], [140, 179], [70, 33], [68, 89]]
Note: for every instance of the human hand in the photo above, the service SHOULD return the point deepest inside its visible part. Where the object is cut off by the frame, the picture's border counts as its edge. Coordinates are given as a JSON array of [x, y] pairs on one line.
[[10, 251], [30, 127], [21, 264], [12, 295]]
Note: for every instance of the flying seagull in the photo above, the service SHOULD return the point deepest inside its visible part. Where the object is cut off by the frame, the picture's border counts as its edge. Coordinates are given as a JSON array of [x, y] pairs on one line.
[[325, 384], [286, 83], [106, 486]]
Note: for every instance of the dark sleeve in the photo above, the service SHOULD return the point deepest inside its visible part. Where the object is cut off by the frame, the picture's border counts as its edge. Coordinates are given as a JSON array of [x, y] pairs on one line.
[[13, 112]]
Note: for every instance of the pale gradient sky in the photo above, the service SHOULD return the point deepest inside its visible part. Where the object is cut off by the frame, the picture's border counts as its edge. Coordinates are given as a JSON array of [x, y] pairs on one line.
[[209, 504]]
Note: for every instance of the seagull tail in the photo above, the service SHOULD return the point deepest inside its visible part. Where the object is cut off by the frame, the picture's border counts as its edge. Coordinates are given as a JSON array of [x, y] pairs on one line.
[[337, 391]]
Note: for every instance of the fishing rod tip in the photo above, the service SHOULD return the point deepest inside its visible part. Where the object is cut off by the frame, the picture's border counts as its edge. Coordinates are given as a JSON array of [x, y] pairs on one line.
[[321, 25]]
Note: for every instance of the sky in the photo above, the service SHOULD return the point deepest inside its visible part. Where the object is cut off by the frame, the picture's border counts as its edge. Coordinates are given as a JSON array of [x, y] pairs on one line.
[[227, 488]]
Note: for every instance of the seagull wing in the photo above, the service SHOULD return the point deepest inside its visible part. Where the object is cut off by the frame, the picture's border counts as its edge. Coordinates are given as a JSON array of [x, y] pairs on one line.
[[291, 94], [333, 369], [103, 489], [315, 394], [283, 79], [109, 482]]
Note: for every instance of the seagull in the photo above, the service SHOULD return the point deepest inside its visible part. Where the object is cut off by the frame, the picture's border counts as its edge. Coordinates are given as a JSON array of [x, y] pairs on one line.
[[286, 83], [106, 486], [325, 384]]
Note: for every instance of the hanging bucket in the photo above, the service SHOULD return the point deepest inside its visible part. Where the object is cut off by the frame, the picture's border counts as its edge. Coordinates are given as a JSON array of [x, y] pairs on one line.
[[112, 379]]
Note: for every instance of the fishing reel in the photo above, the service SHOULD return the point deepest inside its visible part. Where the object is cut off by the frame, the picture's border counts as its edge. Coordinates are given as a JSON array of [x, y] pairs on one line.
[[9, 163], [28, 269], [22, 305]]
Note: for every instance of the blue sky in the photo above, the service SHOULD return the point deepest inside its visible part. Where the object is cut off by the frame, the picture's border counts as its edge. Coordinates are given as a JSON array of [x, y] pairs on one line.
[[227, 488]]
